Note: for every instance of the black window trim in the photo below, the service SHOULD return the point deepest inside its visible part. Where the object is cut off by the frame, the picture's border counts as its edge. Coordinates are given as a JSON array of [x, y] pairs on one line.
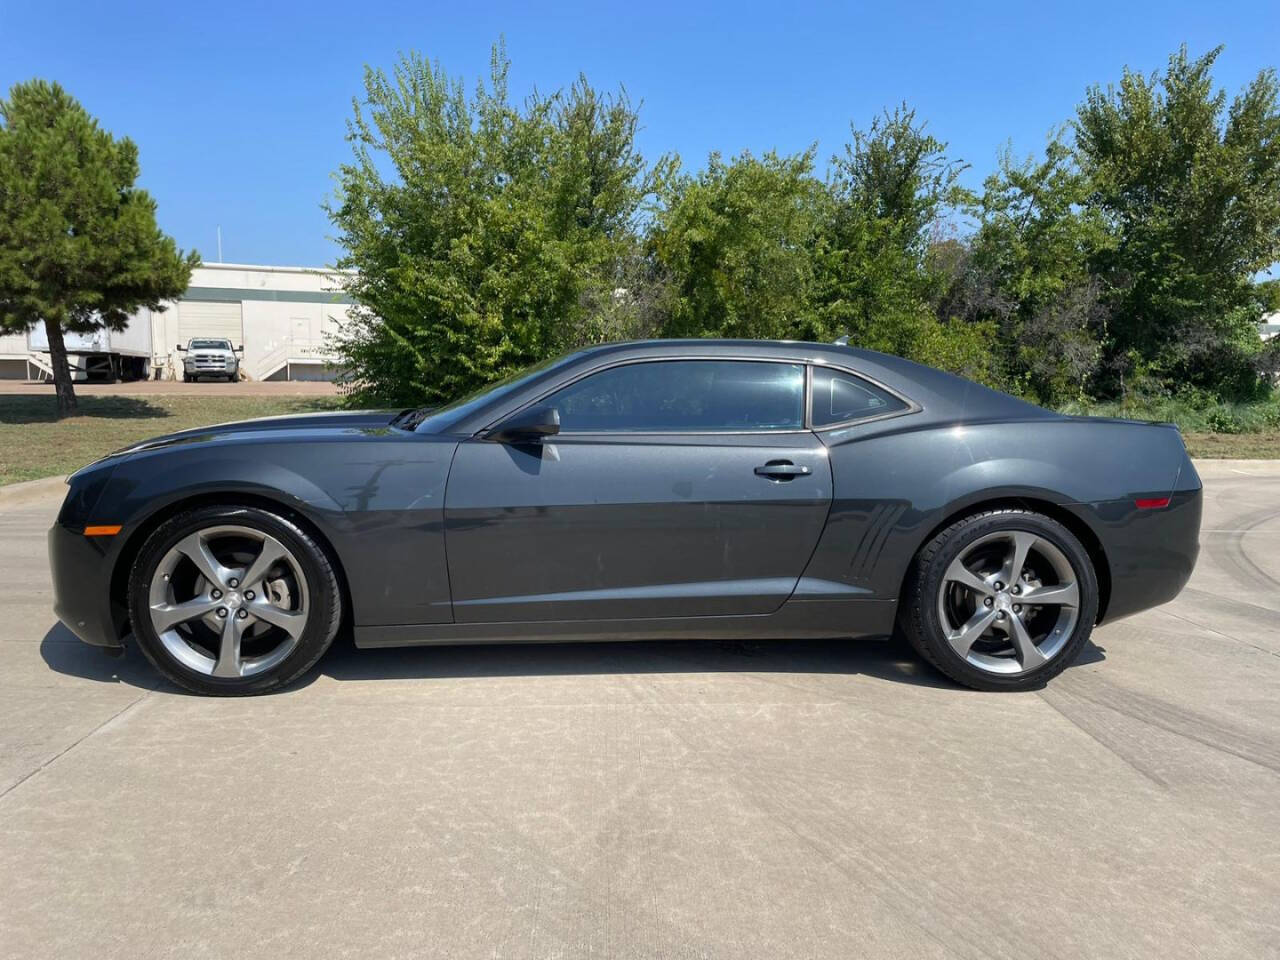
[[807, 408]]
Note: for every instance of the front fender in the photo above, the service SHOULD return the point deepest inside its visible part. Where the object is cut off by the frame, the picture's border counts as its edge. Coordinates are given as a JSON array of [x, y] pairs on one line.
[[378, 502], [150, 491]]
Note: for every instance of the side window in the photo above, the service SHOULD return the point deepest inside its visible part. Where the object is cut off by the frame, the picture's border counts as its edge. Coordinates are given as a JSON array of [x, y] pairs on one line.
[[840, 397], [661, 396]]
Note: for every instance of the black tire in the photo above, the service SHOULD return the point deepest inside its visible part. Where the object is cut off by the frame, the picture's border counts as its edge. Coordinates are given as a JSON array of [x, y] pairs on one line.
[[324, 599], [187, 378], [918, 611]]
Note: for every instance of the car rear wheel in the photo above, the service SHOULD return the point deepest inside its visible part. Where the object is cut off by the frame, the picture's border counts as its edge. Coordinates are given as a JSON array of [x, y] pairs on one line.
[[233, 600], [1001, 600]]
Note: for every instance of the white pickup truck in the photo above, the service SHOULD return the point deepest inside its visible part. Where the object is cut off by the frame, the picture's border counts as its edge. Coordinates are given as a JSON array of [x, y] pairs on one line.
[[210, 357]]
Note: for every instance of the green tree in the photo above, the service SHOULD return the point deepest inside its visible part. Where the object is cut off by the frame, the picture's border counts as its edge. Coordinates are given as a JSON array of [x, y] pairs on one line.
[[484, 234], [880, 280], [760, 247], [1190, 187], [1267, 296], [79, 245], [1029, 273], [738, 243]]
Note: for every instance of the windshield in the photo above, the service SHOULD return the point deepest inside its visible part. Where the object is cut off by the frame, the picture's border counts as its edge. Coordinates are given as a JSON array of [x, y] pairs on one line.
[[442, 419], [210, 344]]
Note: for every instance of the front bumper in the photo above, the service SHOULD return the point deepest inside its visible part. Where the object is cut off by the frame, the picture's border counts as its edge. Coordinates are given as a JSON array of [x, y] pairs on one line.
[[82, 586], [211, 367]]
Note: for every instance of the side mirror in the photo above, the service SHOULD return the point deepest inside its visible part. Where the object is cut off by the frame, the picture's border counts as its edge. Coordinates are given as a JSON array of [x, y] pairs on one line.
[[528, 426], [240, 349], [181, 348]]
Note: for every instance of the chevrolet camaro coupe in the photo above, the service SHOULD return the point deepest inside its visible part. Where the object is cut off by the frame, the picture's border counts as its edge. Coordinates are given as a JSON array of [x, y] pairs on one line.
[[657, 490]]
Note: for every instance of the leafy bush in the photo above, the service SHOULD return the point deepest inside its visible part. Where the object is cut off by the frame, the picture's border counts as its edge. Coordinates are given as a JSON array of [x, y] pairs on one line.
[[1192, 412], [962, 348], [1224, 421], [479, 231]]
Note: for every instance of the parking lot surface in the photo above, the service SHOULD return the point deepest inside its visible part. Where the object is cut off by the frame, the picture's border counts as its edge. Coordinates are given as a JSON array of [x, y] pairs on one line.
[[764, 800]]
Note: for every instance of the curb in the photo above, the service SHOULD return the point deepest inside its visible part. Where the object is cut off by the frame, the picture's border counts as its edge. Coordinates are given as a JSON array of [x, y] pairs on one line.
[[31, 491], [1212, 467]]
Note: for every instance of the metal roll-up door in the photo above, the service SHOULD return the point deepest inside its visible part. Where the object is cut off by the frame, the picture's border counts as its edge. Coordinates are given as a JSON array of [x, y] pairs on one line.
[[199, 319]]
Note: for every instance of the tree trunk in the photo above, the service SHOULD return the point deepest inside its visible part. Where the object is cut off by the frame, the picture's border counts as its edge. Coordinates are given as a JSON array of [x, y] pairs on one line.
[[61, 370]]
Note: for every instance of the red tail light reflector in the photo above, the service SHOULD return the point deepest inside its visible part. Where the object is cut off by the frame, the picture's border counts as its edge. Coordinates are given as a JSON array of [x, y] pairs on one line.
[[1152, 503]]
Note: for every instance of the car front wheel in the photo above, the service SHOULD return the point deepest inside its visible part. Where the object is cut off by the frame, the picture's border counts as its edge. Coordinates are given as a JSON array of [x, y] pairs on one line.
[[1001, 600], [230, 600]]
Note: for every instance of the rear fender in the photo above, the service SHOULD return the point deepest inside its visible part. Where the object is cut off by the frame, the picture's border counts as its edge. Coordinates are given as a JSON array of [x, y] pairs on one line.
[[894, 488]]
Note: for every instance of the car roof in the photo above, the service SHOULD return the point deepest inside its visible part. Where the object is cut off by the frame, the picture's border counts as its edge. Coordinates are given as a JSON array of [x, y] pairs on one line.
[[925, 385], [729, 347], [801, 351]]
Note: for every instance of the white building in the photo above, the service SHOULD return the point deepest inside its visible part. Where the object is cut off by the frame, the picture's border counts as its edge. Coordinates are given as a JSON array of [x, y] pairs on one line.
[[281, 315], [1270, 326]]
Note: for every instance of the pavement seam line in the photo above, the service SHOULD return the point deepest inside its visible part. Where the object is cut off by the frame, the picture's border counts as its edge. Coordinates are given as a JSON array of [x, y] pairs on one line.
[[1219, 633], [67, 749]]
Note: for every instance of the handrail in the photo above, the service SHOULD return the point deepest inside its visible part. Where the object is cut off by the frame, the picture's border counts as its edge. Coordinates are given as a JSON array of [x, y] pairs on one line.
[[38, 361], [286, 352]]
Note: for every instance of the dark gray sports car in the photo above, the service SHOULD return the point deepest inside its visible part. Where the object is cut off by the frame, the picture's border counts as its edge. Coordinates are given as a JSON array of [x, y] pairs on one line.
[[699, 489]]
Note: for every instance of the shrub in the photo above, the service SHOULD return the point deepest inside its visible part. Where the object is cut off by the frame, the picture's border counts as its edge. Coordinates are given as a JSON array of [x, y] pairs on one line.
[[1222, 420]]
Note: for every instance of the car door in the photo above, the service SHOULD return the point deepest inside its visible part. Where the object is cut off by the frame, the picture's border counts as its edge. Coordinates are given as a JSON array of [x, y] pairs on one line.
[[675, 488]]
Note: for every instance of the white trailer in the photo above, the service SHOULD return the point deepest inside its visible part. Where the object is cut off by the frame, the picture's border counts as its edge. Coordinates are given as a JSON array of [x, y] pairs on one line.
[[104, 355]]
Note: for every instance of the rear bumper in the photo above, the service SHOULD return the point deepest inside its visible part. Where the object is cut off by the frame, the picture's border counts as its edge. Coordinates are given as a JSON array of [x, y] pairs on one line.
[[1150, 553], [81, 586]]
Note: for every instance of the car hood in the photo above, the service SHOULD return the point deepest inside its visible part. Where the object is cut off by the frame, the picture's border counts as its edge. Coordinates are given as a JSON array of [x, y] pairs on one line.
[[303, 426]]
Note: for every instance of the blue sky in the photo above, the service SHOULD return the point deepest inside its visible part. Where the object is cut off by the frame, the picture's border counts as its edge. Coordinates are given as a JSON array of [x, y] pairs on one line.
[[239, 109]]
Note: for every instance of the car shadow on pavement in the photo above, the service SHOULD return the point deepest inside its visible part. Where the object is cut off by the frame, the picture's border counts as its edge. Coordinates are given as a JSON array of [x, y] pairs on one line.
[[886, 659], [65, 653]]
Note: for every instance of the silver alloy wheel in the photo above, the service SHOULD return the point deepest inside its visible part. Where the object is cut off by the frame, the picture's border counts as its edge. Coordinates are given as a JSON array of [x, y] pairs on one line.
[[1009, 602], [226, 588]]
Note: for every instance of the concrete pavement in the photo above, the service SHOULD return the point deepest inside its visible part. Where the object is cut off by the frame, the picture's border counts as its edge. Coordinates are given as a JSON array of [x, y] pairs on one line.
[[662, 800]]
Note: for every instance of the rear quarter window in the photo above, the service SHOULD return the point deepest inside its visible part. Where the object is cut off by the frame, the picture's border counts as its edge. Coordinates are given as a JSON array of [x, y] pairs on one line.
[[840, 397]]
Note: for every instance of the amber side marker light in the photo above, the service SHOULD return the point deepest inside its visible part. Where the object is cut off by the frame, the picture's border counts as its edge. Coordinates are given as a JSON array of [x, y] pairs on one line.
[[1152, 503], [102, 530]]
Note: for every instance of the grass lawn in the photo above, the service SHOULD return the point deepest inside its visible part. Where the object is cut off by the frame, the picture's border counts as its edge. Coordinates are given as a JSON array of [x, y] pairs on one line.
[[34, 443], [1234, 446], [1214, 430]]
